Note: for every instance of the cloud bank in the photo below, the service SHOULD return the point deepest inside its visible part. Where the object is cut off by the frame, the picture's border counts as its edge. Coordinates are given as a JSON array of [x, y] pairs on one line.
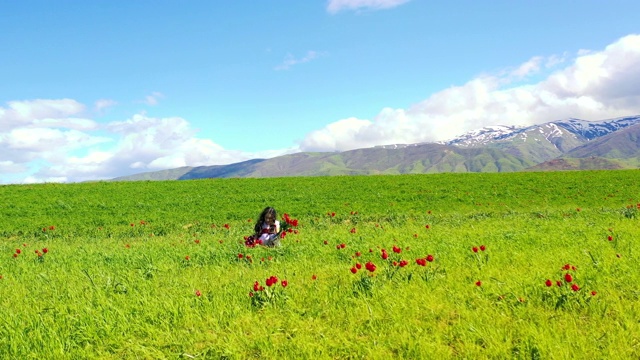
[[591, 86]]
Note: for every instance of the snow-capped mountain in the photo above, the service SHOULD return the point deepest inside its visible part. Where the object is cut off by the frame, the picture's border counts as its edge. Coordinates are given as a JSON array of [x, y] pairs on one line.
[[594, 129], [579, 130]]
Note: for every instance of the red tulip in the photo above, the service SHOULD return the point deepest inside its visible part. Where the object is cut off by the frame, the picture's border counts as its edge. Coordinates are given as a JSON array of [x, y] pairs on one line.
[[568, 278], [370, 266], [430, 258], [198, 293], [575, 287], [475, 249], [354, 270], [284, 283], [549, 283], [483, 248], [358, 266], [478, 283]]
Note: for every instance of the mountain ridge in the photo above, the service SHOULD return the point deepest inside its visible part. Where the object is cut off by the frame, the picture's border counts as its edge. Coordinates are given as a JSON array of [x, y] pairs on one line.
[[556, 145]]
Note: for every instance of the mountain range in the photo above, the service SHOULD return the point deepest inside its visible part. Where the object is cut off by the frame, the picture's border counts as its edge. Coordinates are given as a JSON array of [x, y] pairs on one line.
[[571, 144]]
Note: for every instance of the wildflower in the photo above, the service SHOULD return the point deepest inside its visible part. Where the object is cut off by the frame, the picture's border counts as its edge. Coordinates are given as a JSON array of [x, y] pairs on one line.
[[568, 278], [478, 283], [358, 266], [396, 249], [187, 258], [326, 242], [314, 277], [45, 250], [610, 238], [250, 294], [483, 248], [284, 283], [475, 249], [15, 255], [18, 251], [198, 293], [558, 283], [575, 287], [52, 227], [358, 253], [353, 230], [370, 266], [197, 241], [427, 227], [354, 270], [429, 258], [240, 256], [593, 293], [566, 267], [421, 262], [271, 280], [549, 283], [226, 226], [403, 263]]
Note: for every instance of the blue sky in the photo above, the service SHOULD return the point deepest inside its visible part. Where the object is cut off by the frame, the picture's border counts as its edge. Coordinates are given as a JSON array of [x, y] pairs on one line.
[[93, 90]]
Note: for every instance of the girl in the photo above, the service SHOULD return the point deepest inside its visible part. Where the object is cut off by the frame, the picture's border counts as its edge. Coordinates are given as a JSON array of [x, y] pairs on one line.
[[267, 229]]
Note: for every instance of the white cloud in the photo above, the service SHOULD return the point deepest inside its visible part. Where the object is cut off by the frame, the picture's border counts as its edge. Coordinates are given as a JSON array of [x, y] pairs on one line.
[[595, 85], [334, 6], [290, 60], [153, 99], [103, 104]]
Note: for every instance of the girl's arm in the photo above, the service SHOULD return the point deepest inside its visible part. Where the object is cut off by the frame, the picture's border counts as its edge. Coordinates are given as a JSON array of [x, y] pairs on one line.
[[277, 226]]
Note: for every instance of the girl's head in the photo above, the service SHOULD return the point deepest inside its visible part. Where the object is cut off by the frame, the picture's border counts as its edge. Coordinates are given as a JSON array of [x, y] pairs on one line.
[[268, 216]]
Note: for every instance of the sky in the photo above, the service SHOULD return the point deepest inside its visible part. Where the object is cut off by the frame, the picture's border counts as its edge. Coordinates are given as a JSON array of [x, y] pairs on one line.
[[93, 90]]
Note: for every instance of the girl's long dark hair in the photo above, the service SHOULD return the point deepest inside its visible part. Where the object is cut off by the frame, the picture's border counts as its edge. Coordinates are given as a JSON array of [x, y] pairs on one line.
[[263, 215]]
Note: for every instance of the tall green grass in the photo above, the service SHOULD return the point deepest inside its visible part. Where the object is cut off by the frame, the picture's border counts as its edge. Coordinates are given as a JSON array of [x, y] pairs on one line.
[[116, 283]]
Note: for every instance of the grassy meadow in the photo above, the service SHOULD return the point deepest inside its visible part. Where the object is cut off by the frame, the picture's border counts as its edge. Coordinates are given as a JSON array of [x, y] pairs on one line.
[[159, 270]]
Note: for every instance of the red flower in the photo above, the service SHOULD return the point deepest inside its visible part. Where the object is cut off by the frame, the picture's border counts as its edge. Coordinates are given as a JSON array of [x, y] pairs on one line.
[[395, 263], [549, 283], [313, 277], [198, 293], [385, 256], [226, 226], [568, 278], [415, 235], [326, 242], [566, 267], [403, 263], [45, 250], [430, 258], [353, 230], [271, 280], [558, 282], [132, 224], [52, 227], [475, 249], [240, 256], [343, 245], [483, 248], [18, 251], [187, 258], [358, 266], [284, 283], [427, 226], [575, 287], [358, 253], [15, 255], [256, 286], [354, 270], [370, 266], [196, 241], [396, 249], [478, 283], [421, 262], [250, 294], [594, 293], [333, 214], [127, 246]]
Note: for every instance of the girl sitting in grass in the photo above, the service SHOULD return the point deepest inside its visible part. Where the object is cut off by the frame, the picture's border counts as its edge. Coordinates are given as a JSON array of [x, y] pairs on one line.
[[267, 229]]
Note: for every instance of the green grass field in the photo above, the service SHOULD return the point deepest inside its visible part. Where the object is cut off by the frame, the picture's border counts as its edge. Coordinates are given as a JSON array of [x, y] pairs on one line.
[[148, 270]]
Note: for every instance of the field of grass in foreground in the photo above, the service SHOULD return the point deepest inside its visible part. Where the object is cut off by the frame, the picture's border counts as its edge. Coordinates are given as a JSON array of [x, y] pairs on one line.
[[159, 270]]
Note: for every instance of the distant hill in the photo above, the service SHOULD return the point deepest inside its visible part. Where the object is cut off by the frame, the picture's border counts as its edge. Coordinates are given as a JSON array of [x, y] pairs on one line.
[[560, 145]]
